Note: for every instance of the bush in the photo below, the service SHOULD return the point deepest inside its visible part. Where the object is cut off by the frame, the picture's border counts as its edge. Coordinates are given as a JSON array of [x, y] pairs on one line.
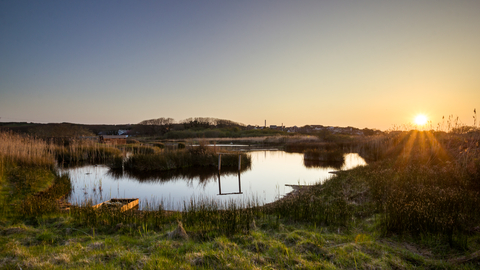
[[159, 145], [132, 141]]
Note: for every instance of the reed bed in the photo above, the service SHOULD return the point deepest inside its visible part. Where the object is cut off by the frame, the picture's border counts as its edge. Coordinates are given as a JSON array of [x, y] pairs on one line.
[[138, 149], [183, 158], [24, 151], [159, 145], [201, 217], [81, 152], [428, 183], [374, 148], [205, 216]]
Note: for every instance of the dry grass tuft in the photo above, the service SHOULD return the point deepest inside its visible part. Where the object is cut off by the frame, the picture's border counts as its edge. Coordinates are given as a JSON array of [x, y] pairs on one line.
[[96, 245], [178, 233]]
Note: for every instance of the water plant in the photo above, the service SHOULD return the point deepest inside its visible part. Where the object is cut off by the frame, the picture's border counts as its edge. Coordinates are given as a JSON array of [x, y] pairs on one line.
[[159, 145], [84, 151], [138, 149]]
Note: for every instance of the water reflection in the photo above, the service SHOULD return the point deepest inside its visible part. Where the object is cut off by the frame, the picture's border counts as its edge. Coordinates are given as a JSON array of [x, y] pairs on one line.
[[189, 174], [230, 193], [323, 164], [265, 180]]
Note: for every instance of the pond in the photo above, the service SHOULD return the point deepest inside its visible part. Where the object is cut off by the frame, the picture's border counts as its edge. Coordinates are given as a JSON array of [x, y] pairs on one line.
[[265, 181]]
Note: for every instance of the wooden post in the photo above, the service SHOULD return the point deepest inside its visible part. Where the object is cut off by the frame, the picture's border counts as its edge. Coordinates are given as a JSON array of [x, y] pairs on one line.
[[239, 185], [219, 161], [239, 162], [219, 185]]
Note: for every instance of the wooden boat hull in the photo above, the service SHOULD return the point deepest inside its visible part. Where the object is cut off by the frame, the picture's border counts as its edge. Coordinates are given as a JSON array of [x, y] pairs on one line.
[[122, 204]]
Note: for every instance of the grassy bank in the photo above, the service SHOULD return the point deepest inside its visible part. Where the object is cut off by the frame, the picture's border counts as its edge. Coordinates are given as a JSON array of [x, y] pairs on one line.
[[271, 243], [425, 184], [29, 183]]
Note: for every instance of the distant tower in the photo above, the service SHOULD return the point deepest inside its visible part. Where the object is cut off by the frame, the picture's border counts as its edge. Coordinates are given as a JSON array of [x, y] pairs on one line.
[[265, 123]]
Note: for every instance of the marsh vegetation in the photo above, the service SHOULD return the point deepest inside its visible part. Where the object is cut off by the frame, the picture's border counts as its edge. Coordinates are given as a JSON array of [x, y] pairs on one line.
[[423, 189]]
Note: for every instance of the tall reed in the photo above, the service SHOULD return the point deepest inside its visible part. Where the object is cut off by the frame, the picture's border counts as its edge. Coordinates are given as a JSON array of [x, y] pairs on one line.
[[24, 151], [85, 151], [430, 184]]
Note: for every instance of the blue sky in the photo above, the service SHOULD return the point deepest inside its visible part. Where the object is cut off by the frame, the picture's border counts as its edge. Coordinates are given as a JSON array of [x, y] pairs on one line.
[[343, 63]]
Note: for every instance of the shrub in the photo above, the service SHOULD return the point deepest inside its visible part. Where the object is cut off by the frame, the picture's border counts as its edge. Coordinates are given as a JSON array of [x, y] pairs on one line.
[[132, 141], [159, 145]]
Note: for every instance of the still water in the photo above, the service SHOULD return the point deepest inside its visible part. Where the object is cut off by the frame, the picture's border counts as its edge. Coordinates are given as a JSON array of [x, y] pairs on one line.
[[264, 181]]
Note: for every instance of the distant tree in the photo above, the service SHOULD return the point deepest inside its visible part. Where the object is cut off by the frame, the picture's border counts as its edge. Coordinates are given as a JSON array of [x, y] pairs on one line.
[[209, 122], [158, 122], [157, 126], [221, 123], [198, 122], [368, 132]]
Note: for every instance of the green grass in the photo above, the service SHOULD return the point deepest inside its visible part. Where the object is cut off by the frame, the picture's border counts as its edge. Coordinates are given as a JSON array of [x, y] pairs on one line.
[[58, 243]]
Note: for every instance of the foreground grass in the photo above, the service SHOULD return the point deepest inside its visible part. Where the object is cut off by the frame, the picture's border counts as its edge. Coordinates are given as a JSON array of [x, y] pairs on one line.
[[57, 243]]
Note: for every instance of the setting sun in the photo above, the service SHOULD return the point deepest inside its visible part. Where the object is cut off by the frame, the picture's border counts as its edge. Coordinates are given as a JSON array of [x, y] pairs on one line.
[[420, 120]]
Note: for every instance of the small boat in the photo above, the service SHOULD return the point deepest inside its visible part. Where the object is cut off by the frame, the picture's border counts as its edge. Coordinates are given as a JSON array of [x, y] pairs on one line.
[[121, 204]]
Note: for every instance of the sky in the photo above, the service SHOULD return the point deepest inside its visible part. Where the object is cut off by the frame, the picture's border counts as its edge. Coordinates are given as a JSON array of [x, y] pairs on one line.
[[374, 64]]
